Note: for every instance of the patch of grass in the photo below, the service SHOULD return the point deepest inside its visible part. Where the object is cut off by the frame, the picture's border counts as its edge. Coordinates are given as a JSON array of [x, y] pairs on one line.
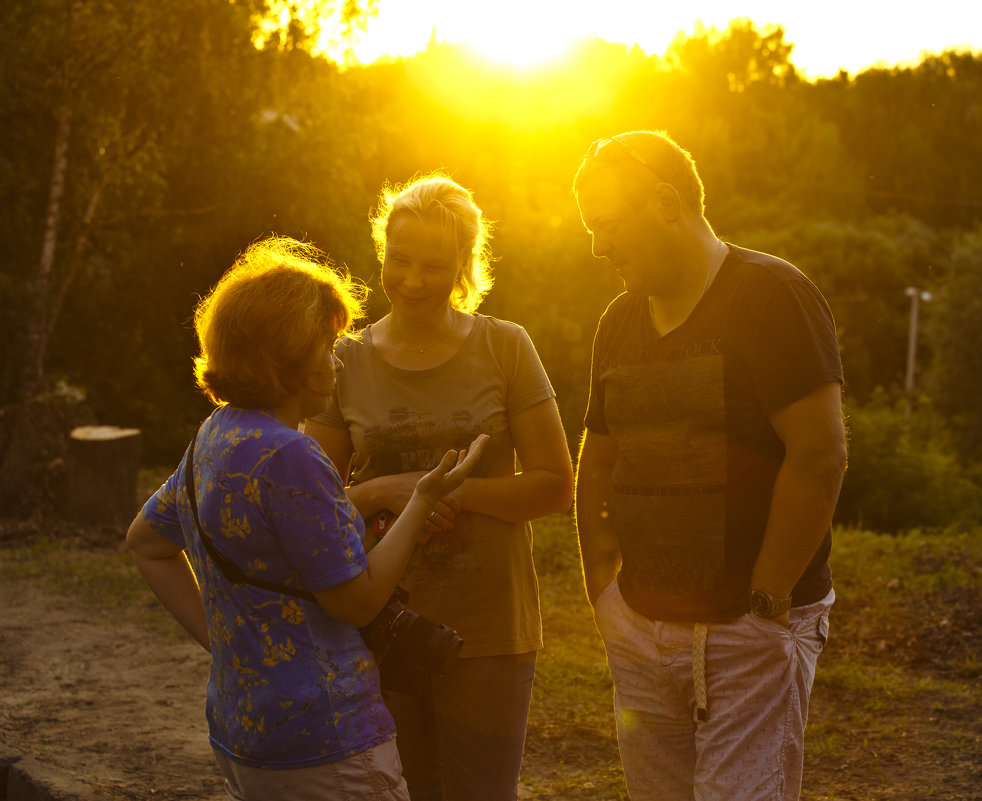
[[101, 577], [885, 683], [867, 564], [571, 748], [826, 739], [895, 682]]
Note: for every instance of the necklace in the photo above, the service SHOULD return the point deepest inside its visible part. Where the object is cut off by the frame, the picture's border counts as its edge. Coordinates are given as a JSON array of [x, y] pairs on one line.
[[717, 263], [453, 325]]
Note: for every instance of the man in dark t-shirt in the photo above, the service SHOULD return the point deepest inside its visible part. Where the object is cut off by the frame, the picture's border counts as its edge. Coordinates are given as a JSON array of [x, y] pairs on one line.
[[709, 470]]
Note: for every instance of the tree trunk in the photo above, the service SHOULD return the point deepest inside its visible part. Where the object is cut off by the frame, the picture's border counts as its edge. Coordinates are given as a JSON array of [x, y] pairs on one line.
[[37, 324], [33, 446], [81, 243], [102, 463]]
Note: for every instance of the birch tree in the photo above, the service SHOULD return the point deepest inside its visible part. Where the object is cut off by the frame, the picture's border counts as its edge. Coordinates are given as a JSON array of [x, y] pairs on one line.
[[100, 94]]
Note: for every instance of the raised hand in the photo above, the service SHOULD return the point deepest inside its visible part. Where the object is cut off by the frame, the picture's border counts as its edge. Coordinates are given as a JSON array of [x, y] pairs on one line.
[[454, 467], [396, 490]]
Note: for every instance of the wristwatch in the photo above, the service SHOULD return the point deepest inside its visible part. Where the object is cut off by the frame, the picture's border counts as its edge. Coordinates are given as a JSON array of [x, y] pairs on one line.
[[765, 605]]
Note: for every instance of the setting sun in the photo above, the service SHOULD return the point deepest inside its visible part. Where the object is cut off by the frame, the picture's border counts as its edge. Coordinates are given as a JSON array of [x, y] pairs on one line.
[[542, 35], [514, 34], [526, 33]]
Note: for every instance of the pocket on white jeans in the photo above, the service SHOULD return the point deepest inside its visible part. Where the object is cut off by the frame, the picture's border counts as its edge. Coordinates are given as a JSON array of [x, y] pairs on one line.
[[603, 600], [822, 629], [770, 627]]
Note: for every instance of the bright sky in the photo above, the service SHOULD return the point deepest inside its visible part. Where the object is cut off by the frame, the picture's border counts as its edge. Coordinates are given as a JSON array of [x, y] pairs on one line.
[[851, 34]]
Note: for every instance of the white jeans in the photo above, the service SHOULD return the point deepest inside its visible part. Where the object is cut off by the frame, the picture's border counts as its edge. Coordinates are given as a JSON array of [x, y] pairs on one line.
[[759, 677]]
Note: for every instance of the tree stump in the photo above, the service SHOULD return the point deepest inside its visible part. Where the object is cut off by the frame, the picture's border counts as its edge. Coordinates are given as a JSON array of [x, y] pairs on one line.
[[103, 462]]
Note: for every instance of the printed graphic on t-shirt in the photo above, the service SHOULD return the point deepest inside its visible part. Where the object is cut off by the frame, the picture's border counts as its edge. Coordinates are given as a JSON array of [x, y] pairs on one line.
[[414, 440], [669, 512]]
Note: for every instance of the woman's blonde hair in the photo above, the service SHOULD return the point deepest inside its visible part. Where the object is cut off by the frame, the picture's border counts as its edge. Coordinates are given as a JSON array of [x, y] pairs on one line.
[[438, 198], [263, 322]]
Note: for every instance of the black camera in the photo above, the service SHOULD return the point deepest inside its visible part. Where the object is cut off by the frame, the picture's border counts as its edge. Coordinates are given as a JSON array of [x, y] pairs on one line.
[[406, 645]]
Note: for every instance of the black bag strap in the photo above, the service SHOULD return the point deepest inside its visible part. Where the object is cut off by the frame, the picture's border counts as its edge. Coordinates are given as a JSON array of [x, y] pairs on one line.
[[229, 569]]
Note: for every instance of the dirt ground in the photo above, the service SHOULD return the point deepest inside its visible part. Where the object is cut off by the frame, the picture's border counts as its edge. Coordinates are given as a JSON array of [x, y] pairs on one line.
[[117, 705], [98, 697], [120, 707]]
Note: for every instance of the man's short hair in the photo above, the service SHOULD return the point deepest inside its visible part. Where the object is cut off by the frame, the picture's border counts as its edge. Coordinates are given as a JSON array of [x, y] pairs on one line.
[[264, 321], [641, 159]]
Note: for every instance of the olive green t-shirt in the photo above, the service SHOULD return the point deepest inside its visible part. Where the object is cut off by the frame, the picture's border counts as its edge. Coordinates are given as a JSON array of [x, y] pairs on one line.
[[479, 578]]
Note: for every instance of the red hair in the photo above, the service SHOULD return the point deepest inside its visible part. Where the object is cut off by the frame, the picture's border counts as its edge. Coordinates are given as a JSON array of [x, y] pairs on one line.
[[264, 320]]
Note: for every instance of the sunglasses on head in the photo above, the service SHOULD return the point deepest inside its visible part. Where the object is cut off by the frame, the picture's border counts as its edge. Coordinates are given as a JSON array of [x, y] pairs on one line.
[[602, 145]]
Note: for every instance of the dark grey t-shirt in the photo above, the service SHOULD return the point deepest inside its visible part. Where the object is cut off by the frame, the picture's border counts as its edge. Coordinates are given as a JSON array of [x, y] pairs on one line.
[[696, 453]]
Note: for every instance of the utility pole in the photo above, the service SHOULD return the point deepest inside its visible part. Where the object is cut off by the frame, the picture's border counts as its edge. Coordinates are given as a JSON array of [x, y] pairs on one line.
[[916, 296]]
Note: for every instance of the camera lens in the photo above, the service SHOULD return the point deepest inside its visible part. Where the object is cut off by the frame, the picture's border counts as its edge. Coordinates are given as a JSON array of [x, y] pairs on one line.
[[428, 645], [408, 644], [445, 646]]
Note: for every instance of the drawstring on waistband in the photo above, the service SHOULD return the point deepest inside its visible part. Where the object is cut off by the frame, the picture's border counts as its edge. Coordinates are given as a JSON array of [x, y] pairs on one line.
[[699, 634]]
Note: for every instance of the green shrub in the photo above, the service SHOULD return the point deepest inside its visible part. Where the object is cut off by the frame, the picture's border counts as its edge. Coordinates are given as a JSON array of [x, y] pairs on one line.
[[904, 472]]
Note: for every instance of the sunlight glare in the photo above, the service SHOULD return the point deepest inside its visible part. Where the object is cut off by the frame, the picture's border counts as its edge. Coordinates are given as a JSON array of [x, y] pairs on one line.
[[525, 33], [518, 34], [511, 33]]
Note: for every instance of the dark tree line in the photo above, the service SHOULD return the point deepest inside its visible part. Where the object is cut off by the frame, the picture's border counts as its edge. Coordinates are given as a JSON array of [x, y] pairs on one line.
[[147, 142]]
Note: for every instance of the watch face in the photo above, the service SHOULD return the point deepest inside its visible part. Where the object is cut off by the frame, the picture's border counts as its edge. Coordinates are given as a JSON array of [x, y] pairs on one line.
[[760, 604], [763, 604]]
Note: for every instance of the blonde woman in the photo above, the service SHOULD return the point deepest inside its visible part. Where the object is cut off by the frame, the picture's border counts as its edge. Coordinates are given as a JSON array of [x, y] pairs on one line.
[[428, 375], [294, 706]]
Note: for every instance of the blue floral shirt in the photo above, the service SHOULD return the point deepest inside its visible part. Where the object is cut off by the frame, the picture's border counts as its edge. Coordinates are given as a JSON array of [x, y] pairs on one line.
[[289, 686]]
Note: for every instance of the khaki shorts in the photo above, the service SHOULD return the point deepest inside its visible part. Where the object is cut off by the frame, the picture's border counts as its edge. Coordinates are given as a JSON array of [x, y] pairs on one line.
[[373, 774]]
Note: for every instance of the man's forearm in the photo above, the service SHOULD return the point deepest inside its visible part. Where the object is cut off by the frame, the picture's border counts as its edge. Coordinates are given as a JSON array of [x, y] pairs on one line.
[[801, 511], [805, 490], [600, 555], [600, 550]]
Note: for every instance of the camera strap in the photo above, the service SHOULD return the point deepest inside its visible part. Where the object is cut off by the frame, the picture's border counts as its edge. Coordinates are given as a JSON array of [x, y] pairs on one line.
[[229, 569]]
